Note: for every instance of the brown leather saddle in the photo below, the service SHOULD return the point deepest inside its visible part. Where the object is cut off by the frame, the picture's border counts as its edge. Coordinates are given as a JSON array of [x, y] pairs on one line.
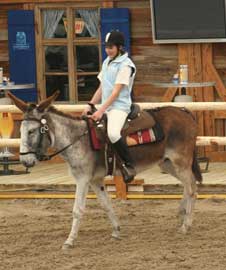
[[138, 121]]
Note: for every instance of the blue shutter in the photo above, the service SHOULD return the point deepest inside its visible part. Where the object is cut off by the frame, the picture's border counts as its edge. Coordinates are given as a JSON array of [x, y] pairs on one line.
[[115, 19], [22, 52]]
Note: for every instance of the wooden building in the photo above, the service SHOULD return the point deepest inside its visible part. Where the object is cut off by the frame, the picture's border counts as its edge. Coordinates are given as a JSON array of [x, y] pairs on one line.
[[154, 62]]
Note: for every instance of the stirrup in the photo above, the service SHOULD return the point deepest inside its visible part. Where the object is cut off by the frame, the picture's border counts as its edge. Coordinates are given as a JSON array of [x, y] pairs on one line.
[[128, 173]]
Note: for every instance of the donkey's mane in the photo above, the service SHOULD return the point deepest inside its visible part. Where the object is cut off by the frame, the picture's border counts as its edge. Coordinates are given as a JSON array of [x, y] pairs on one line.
[[52, 109]]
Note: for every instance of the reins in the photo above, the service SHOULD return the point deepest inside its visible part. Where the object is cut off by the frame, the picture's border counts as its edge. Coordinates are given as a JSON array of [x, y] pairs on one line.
[[44, 130], [48, 157]]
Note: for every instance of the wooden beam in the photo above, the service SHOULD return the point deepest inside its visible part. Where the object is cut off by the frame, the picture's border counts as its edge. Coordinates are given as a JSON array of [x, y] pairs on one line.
[[216, 140], [120, 186], [220, 115], [39, 55], [201, 140], [71, 57], [108, 4], [219, 156], [49, 1], [10, 142], [208, 92], [193, 106], [169, 95]]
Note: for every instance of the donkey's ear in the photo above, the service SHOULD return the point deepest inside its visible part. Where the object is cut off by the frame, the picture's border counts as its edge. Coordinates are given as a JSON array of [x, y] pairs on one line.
[[18, 102], [47, 102]]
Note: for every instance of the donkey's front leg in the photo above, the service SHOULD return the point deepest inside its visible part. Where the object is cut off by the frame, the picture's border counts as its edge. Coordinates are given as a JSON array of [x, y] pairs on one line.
[[99, 189], [78, 210]]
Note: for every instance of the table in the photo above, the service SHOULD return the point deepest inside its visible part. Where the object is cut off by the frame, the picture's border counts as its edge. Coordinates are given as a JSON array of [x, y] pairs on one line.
[[4, 100], [5, 160], [181, 85], [16, 86]]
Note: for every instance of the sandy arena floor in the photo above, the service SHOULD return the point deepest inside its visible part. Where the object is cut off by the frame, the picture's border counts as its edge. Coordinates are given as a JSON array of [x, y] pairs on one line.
[[32, 232]]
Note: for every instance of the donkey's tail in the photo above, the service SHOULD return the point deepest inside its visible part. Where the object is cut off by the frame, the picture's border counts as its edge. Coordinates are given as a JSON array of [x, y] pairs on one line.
[[196, 168]]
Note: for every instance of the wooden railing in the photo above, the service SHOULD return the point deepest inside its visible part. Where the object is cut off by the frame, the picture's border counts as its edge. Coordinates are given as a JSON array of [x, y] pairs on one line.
[[120, 186], [193, 106]]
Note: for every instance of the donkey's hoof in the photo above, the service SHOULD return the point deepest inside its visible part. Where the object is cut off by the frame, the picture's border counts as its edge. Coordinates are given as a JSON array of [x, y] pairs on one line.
[[67, 246], [183, 229], [116, 235]]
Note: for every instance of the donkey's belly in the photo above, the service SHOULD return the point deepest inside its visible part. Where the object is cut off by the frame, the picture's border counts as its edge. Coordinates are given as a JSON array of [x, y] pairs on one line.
[[146, 155]]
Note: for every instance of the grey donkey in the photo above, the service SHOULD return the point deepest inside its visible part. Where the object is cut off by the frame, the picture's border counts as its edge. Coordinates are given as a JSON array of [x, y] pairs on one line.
[[43, 126]]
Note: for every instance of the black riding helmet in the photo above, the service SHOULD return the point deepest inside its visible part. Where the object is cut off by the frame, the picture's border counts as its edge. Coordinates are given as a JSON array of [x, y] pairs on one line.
[[114, 38]]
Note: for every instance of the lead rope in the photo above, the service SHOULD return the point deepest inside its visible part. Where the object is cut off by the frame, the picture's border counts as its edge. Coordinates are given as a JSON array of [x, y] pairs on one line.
[[49, 157]]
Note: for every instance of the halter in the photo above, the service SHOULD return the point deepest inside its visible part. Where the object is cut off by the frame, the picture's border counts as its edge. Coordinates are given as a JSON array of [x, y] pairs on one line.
[[44, 130]]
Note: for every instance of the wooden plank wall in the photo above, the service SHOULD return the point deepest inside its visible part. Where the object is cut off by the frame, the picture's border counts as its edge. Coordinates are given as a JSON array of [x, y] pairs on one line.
[[4, 56], [154, 62]]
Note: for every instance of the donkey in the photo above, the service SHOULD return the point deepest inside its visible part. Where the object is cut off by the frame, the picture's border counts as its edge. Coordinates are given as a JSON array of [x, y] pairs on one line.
[[44, 126]]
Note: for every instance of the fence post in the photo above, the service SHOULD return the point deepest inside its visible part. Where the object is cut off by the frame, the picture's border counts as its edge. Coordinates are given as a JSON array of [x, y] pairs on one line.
[[121, 190]]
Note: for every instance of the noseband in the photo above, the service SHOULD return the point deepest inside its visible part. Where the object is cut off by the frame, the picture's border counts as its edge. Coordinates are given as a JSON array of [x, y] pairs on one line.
[[44, 131]]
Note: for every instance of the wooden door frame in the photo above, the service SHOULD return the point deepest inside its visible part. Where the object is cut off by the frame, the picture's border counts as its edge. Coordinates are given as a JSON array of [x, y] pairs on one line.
[[69, 42]]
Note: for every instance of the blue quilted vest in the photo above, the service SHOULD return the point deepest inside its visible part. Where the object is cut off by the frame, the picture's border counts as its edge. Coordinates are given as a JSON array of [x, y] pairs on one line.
[[109, 74]]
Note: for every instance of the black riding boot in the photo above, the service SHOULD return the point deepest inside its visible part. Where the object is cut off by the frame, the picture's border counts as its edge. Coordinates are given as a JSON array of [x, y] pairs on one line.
[[127, 168]]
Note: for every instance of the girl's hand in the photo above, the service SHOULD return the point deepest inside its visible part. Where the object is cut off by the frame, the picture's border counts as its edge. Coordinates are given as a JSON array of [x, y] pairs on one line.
[[97, 115]]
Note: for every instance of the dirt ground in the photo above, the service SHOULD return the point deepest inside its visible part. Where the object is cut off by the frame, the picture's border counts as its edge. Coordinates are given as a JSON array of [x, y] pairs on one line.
[[33, 231]]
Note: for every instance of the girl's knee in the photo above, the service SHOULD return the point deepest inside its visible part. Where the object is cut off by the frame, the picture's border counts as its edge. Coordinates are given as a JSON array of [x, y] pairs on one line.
[[114, 136]]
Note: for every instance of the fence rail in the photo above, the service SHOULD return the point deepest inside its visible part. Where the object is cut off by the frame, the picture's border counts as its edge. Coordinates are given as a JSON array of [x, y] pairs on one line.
[[201, 141], [193, 106], [121, 191], [196, 106]]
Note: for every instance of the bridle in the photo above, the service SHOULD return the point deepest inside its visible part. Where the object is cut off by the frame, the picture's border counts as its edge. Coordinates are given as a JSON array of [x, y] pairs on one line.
[[44, 131]]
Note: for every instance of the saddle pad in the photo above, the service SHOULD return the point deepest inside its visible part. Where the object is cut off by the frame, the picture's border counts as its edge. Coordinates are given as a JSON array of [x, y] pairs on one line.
[[94, 140], [150, 135]]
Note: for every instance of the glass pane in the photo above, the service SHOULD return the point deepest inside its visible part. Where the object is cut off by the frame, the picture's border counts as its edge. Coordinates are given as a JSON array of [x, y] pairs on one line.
[[87, 86], [86, 23], [54, 83], [87, 58], [53, 23], [56, 58]]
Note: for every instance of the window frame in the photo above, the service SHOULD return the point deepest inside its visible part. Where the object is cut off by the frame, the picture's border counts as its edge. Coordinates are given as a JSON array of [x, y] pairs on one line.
[[70, 42]]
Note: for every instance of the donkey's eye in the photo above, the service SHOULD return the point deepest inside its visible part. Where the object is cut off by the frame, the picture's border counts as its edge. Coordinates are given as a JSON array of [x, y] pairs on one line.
[[30, 132]]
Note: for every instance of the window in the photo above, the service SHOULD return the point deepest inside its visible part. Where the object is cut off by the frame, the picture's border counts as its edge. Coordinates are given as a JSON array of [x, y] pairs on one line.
[[68, 51]]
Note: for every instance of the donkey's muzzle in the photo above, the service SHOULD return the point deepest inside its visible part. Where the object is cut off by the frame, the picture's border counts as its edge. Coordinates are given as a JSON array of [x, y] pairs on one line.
[[43, 157], [28, 164]]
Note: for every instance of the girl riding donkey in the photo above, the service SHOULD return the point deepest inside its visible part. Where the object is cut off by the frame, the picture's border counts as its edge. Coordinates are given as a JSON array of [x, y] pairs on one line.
[[43, 126], [116, 82]]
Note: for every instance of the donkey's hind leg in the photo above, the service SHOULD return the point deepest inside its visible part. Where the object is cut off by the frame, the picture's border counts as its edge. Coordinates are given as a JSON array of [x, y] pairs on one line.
[[167, 166], [189, 195], [105, 202], [189, 198], [82, 187]]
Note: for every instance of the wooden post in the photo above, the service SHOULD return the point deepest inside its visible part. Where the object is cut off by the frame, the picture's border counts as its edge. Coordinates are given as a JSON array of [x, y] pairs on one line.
[[121, 190], [208, 94], [108, 4]]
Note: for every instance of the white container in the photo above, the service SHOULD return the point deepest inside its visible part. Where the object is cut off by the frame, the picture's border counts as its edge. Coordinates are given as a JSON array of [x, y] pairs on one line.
[[184, 74], [1, 75], [183, 98], [176, 78]]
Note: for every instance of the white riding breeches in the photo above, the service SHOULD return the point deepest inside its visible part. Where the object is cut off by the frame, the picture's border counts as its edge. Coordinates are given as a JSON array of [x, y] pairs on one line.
[[116, 120]]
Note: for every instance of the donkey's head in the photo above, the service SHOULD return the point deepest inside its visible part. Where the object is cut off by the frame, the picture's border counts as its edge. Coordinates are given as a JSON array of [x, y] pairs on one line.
[[35, 134]]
